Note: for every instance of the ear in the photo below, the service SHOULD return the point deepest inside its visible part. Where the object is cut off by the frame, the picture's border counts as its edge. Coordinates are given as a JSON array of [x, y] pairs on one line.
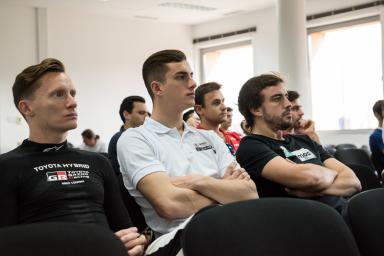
[[127, 115], [25, 108], [199, 109], [156, 88], [256, 112]]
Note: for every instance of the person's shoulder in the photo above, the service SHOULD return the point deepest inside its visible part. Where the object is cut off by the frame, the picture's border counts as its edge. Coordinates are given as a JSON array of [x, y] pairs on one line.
[[302, 137], [376, 133], [252, 138], [15, 153], [116, 135]]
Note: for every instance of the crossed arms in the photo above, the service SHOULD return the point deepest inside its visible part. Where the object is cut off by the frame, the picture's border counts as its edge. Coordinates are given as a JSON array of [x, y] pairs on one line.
[[306, 180], [180, 197]]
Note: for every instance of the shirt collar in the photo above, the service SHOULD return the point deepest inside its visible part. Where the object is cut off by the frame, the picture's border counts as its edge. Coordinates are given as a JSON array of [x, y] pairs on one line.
[[159, 128], [38, 147]]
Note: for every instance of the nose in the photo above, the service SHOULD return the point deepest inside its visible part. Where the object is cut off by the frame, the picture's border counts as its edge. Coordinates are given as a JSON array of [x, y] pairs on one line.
[[287, 103], [192, 83], [71, 102]]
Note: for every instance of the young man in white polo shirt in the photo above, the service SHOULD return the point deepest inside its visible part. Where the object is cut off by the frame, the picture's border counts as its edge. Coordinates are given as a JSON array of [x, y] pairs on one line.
[[174, 170]]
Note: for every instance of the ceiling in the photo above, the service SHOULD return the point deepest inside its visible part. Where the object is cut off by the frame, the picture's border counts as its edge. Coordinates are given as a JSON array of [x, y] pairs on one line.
[[189, 12]]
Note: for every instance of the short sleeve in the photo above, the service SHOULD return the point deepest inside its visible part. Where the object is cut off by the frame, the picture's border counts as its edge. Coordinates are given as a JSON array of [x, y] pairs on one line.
[[136, 157], [253, 155]]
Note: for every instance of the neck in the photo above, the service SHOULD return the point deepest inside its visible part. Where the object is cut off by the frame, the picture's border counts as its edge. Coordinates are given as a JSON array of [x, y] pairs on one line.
[[262, 128], [381, 124], [47, 137], [207, 125], [127, 125], [168, 116]]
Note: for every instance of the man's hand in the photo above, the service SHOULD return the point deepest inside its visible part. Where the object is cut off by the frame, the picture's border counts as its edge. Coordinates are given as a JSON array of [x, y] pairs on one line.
[[232, 173], [306, 126], [132, 240]]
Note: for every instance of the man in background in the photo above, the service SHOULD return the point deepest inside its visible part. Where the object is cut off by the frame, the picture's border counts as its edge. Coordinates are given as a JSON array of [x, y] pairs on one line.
[[209, 105], [376, 143], [133, 112], [299, 124], [92, 142]]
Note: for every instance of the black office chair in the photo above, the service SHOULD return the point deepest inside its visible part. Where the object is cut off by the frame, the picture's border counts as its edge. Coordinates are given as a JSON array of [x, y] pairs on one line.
[[367, 176], [269, 226], [364, 214], [354, 156], [59, 239], [379, 167], [345, 146], [330, 148]]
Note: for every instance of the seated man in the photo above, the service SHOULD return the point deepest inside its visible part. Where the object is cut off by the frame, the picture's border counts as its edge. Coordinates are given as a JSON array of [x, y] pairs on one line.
[[43, 180], [376, 143], [209, 105], [292, 166], [92, 142], [133, 112], [299, 124], [174, 170]]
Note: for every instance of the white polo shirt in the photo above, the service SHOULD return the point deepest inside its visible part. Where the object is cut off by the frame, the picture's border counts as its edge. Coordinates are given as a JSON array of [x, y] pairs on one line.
[[154, 147]]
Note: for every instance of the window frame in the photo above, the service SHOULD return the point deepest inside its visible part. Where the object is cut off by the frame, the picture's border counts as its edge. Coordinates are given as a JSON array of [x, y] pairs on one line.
[[336, 23]]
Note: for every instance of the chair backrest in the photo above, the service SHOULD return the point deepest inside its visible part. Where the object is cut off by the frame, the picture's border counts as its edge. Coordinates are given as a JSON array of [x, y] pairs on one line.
[[364, 213], [367, 176], [379, 167], [133, 208], [345, 146], [354, 156], [330, 148], [59, 239], [269, 226]]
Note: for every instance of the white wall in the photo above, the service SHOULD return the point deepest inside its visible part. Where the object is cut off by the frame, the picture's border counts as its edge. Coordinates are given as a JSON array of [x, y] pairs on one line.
[[17, 50], [103, 56]]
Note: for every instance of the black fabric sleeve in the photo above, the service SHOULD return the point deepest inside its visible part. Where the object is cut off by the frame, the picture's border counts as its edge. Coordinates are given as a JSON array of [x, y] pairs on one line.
[[253, 155], [112, 154], [117, 215], [324, 155], [8, 196]]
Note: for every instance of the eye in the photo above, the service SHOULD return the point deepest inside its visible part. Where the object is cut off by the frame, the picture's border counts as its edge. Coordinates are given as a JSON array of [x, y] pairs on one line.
[[59, 93], [73, 93], [181, 77]]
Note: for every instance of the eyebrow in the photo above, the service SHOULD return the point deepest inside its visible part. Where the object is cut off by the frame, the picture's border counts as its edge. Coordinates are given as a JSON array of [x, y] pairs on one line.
[[183, 73], [277, 95]]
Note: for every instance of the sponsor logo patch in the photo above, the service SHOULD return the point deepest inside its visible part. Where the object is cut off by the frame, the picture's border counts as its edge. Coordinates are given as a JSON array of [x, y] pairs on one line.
[[302, 154]]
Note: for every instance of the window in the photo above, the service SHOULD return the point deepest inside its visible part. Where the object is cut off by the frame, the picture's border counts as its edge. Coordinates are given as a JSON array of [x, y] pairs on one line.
[[231, 66], [346, 74]]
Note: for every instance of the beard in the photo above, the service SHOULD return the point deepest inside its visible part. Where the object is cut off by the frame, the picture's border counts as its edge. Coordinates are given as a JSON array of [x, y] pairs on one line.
[[278, 122]]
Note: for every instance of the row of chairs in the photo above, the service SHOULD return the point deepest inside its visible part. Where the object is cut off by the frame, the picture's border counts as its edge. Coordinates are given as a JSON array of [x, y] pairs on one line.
[[263, 227], [289, 227], [360, 161]]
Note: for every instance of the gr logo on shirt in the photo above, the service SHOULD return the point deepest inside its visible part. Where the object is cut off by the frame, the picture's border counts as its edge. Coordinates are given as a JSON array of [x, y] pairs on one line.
[[67, 175], [302, 154], [59, 175]]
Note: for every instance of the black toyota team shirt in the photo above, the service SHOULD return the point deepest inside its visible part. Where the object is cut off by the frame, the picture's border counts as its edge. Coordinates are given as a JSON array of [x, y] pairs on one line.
[[45, 182], [255, 151]]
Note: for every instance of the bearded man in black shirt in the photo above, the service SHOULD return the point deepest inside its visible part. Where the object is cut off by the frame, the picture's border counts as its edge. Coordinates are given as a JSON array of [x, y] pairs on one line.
[[289, 166], [43, 179]]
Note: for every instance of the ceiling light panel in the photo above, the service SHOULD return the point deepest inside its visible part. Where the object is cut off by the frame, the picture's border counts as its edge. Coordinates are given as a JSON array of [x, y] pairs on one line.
[[193, 7]]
